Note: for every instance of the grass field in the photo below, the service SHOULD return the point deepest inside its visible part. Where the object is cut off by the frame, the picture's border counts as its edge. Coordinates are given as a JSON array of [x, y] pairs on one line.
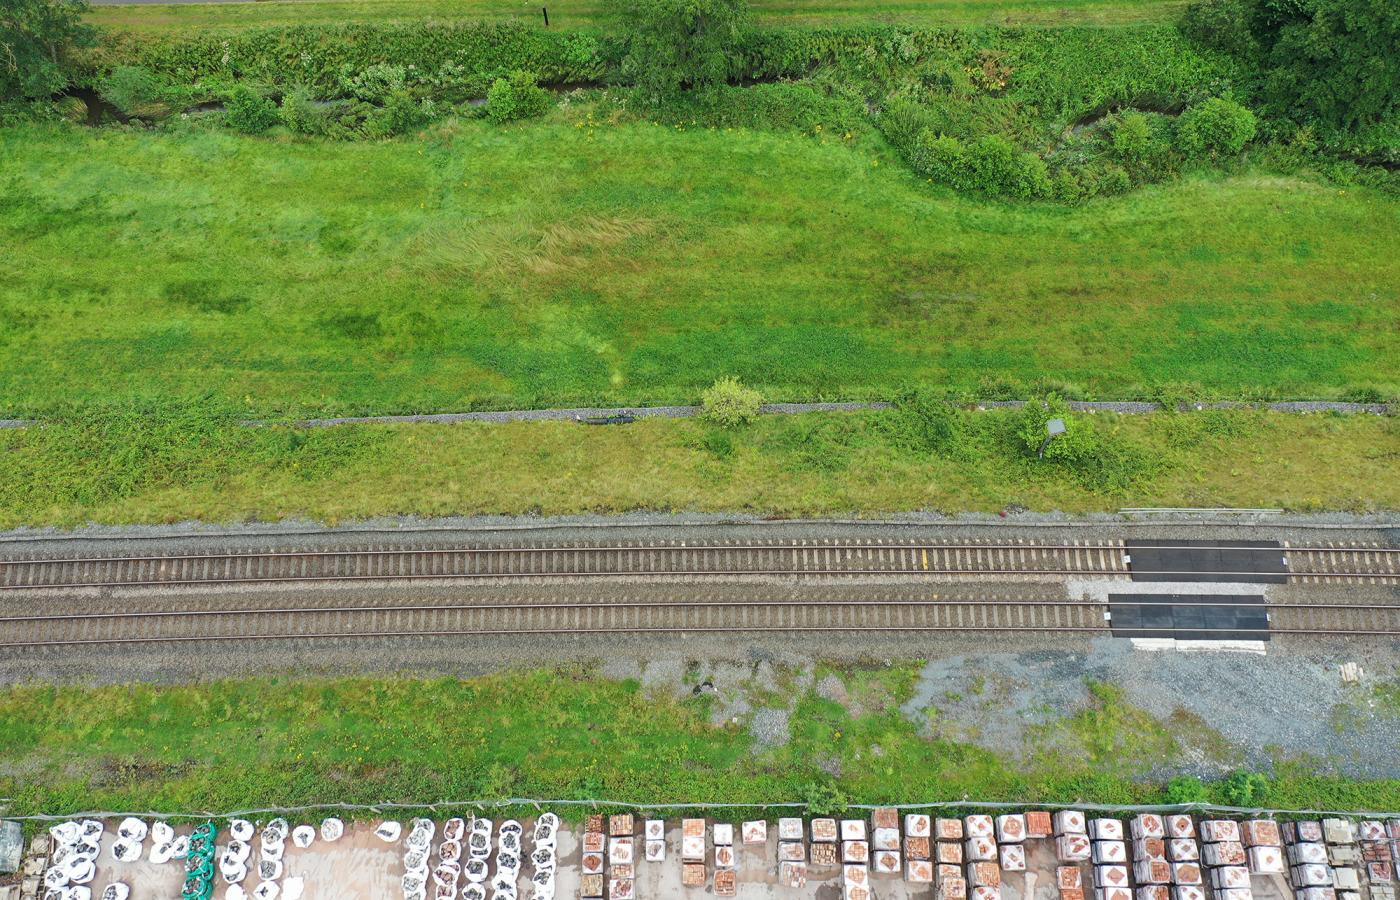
[[171, 468], [578, 13], [567, 734], [568, 261]]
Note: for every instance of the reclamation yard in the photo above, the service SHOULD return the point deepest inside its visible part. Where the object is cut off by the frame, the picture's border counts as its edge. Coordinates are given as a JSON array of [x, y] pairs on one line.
[[287, 210]]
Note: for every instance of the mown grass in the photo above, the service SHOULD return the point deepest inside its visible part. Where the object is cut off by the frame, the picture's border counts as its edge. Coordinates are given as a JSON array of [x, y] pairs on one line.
[[579, 13], [571, 260], [118, 469], [552, 733]]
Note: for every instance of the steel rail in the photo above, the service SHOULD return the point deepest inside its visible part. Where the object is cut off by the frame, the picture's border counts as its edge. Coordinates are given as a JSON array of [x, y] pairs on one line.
[[686, 604], [663, 546], [672, 573], [707, 629]]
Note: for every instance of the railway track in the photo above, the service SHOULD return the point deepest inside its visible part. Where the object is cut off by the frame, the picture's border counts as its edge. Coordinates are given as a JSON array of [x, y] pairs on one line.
[[1345, 563], [122, 611], [999, 614]]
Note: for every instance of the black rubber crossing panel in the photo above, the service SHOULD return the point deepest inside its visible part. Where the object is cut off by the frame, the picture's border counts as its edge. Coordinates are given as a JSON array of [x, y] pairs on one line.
[[1251, 562], [1189, 617]]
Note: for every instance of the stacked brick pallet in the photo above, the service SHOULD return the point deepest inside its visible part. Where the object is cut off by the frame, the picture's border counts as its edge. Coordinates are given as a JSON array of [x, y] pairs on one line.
[[949, 853], [593, 862], [1380, 850], [622, 857], [918, 849], [693, 872], [1109, 854], [885, 842], [1322, 857], [792, 853], [1184, 853], [982, 861], [855, 860], [1151, 870], [1223, 855], [726, 879]]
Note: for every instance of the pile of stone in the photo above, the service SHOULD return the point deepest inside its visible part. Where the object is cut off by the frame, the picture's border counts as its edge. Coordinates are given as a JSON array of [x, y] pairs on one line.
[[417, 854], [510, 848], [475, 856], [544, 859], [73, 863], [199, 860], [447, 873]]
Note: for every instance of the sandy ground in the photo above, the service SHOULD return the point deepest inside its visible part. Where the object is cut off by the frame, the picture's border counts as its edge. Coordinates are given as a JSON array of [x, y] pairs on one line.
[[362, 867]]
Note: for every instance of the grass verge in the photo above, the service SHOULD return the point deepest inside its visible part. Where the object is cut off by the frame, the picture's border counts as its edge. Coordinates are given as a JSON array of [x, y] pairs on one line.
[[579, 13], [158, 464], [556, 733], [573, 260]]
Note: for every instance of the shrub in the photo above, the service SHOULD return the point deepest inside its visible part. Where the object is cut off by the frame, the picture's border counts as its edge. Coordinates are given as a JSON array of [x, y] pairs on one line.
[[991, 164], [374, 84], [824, 799], [516, 97], [302, 115], [135, 91], [1218, 127], [1142, 143], [1104, 179], [729, 404], [1245, 789], [924, 421], [248, 111], [997, 167], [672, 44], [400, 114], [1186, 789], [940, 157], [1077, 443]]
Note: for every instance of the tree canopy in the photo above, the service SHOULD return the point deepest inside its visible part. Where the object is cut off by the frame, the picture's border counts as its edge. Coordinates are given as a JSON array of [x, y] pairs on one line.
[[1330, 61], [34, 38], [673, 44]]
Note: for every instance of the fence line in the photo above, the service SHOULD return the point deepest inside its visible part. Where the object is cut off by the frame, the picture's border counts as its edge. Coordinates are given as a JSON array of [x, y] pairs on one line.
[[624, 804]]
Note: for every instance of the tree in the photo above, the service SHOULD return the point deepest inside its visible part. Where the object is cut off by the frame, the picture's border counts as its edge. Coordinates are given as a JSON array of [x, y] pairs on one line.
[[674, 44], [1332, 61], [35, 36], [1338, 62]]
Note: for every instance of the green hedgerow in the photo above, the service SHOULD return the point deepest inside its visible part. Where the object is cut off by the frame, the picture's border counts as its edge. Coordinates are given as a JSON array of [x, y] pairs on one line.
[[729, 404]]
